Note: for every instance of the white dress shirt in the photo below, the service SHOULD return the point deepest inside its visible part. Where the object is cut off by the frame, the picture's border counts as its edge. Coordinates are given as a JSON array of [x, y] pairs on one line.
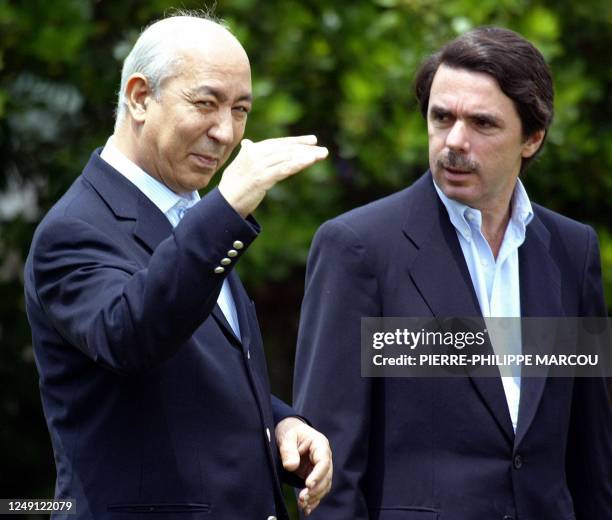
[[171, 204], [496, 281]]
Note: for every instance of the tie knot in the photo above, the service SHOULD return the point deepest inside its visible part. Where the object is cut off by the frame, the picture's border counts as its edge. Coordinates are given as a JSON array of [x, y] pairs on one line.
[[182, 210]]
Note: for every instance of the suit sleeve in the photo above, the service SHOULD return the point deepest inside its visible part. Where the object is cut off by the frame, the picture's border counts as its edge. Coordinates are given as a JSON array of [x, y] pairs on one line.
[[328, 387], [589, 452], [121, 316]]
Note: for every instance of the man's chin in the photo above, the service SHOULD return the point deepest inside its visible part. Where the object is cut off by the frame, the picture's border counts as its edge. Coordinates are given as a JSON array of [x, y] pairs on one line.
[[465, 193], [193, 181]]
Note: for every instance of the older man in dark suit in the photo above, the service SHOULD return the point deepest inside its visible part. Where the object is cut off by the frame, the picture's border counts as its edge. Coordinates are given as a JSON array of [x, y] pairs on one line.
[[463, 240], [152, 372]]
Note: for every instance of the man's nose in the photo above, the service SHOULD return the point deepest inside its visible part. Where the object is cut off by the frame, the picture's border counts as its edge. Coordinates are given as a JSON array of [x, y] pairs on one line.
[[457, 137], [222, 128]]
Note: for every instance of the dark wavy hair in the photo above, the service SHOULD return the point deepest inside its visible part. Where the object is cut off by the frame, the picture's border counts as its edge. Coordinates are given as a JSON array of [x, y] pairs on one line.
[[519, 68]]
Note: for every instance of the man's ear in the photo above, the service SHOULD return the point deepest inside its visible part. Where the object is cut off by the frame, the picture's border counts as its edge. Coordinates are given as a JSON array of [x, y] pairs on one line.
[[533, 143], [138, 95]]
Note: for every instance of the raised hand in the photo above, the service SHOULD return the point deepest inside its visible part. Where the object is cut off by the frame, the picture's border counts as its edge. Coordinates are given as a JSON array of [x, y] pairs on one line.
[[259, 166]]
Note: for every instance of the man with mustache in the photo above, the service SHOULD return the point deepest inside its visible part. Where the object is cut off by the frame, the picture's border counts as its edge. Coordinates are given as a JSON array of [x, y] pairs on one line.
[[463, 240], [152, 371]]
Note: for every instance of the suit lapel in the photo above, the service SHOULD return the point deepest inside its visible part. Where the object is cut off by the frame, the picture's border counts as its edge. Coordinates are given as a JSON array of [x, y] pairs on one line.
[[540, 281], [240, 302], [539, 274], [127, 202], [441, 275], [439, 270], [224, 324], [152, 226]]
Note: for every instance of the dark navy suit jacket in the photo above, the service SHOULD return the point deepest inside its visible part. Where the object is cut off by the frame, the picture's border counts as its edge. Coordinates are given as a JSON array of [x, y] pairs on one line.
[[155, 408], [445, 449]]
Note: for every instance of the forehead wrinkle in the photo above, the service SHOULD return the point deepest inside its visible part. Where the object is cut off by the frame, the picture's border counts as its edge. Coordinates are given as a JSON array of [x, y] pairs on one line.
[[454, 89]]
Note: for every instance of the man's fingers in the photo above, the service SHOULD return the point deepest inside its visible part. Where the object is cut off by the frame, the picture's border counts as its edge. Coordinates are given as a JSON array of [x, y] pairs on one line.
[[290, 153], [318, 481], [320, 456], [296, 163], [320, 488], [293, 139], [279, 154], [288, 449], [269, 146], [311, 507]]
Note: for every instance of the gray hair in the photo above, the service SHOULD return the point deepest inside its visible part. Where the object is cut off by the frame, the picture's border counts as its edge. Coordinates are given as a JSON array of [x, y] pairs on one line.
[[157, 52]]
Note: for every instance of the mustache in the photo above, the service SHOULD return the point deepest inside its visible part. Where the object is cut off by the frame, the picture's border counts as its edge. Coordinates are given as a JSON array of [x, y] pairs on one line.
[[456, 161]]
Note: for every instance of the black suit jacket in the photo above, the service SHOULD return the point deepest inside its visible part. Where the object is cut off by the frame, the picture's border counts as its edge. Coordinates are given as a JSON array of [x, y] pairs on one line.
[[155, 408], [445, 449]]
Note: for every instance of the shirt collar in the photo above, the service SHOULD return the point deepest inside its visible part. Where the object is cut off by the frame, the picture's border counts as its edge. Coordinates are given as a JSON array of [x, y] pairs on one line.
[[463, 217], [159, 194]]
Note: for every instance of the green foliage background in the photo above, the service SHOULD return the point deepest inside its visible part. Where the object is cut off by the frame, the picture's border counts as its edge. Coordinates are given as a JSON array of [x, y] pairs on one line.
[[340, 69]]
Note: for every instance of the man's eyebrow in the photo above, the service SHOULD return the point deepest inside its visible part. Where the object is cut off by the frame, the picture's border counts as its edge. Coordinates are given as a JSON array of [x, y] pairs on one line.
[[439, 111], [486, 118], [219, 94]]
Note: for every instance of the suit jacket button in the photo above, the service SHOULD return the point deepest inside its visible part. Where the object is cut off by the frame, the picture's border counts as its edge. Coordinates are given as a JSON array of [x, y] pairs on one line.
[[508, 517], [237, 244], [271, 518], [517, 462], [268, 434], [219, 269], [225, 261], [232, 253]]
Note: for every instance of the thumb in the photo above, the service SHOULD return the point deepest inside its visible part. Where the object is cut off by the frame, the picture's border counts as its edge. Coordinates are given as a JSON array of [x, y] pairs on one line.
[[288, 448]]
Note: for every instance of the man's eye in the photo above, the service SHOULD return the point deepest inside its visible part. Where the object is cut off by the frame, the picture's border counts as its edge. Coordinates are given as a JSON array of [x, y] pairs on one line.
[[205, 103], [483, 123], [240, 111], [440, 118]]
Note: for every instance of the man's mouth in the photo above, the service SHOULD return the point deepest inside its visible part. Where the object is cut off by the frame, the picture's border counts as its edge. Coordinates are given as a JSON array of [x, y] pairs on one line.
[[205, 160], [456, 171]]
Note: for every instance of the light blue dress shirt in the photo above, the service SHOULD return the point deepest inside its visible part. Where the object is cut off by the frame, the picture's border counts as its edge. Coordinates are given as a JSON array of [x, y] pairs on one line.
[[496, 281], [171, 204]]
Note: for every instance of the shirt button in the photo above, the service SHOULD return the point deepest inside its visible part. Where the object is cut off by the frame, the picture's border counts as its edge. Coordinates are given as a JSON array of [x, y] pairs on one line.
[[238, 245], [517, 462], [470, 217]]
